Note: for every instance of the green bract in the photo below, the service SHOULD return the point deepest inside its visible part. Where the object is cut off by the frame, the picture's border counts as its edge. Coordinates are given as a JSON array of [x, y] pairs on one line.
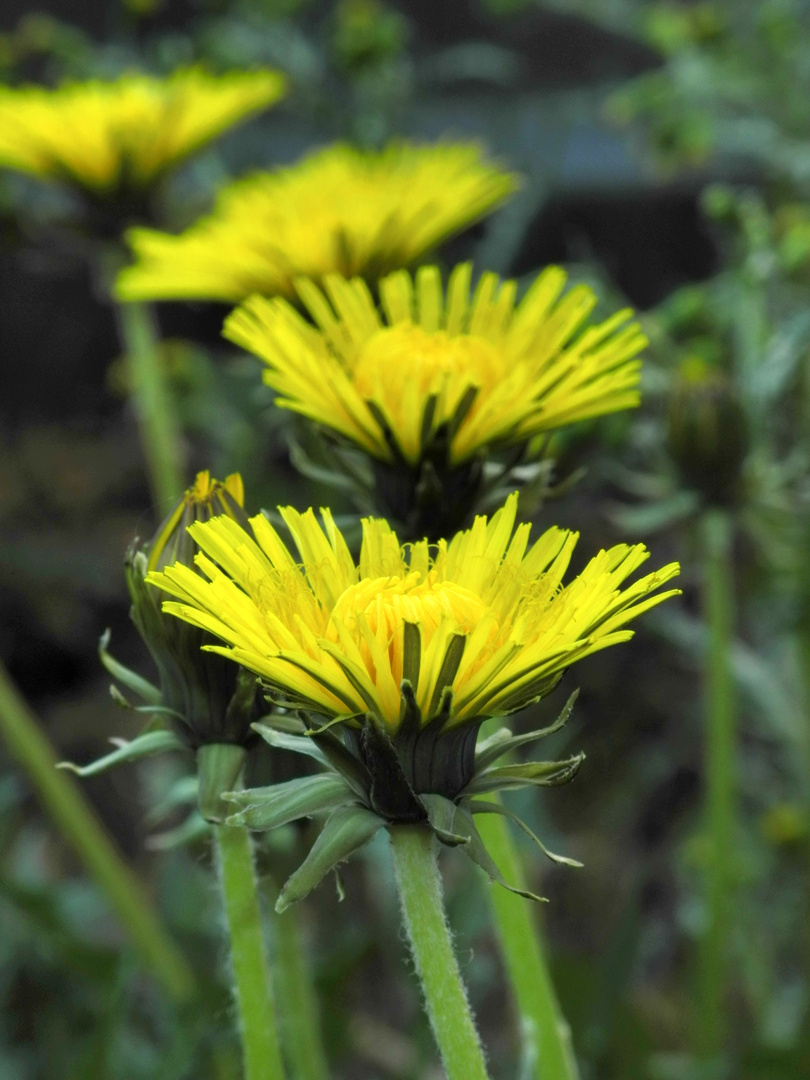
[[372, 781]]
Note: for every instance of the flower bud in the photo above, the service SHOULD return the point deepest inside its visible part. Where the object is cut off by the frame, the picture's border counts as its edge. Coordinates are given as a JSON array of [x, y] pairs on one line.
[[707, 432], [212, 700]]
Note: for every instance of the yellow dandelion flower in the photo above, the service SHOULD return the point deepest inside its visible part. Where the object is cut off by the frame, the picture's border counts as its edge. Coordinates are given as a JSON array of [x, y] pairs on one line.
[[477, 627], [396, 660], [477, 370], [102, 136], [339, 210]]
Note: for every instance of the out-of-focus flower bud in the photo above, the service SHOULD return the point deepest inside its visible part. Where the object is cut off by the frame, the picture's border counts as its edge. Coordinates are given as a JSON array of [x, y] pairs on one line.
[[707, 432], [367, 33]]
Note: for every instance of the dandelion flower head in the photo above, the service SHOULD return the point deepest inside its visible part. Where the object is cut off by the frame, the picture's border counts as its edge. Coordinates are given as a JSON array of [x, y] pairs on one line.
[[476, 368], [477, 626], [125, 133], [339, 210]]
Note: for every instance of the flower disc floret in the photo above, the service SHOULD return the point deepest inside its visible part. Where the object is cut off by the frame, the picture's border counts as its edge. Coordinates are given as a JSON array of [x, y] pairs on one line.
[[338, 210], [125, 133], [474, 627], [474, 368]]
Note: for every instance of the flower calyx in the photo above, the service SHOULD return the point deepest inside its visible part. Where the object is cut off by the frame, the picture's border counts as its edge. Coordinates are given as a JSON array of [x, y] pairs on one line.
[[429, 773]]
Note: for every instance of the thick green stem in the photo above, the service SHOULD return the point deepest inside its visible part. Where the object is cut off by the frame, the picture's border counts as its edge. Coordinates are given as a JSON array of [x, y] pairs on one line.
[[159, 429], [420, 892], [524, 955], [300, 1019], [75, 819], [720, 754], [251, 974]]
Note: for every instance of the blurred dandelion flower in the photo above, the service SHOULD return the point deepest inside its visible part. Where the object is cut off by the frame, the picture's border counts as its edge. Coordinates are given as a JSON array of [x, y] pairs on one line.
[[407, 651], [339, 210], [124, 134], [474, 371]]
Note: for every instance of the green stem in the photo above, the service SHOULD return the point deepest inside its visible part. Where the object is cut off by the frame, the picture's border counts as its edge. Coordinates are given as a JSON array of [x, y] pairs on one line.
[[71, 812], [720, 756], [159, 429], [420, 892], [301, 1023], [524, 955], [251, 974]]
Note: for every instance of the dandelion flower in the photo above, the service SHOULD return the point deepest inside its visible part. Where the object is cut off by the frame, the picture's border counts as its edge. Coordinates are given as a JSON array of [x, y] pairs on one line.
[[409, 650], [339, 210], [124, 134], [478, 371]]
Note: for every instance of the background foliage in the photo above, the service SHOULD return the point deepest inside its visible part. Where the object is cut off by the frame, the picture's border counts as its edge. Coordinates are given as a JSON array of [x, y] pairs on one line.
[[666, 157]]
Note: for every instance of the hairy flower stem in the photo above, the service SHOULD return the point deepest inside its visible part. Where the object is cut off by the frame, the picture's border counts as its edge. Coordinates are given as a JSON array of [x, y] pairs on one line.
[[251, 975], [523, 953], [720, 756], [420, 892], [75, 819], [159, 429]]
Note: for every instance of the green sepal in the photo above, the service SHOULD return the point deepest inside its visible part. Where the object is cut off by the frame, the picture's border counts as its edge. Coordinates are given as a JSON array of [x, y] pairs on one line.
[[346, 830], [466, 402], [476, 850], [390, 793], [411, 654], [441, 813], [298, 744], [492, 749], [152, 742], [447, 672], [219, 766], [536, 773], [353, 771], [410, 715], [478, 806], [145, 690], [428, 414], [269, 807], [292, 725]]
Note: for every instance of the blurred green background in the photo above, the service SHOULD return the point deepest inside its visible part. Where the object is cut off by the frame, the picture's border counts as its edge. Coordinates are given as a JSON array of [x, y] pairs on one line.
[[665, 150]]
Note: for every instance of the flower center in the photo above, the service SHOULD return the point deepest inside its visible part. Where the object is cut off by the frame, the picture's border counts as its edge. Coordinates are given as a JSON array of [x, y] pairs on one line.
[[401, 366], [382, 606]]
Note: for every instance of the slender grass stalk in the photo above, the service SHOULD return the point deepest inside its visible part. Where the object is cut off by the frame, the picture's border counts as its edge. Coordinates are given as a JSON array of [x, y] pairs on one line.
[[420, 892], [251, 975], [75, 819], [157, 423], [720, 753], [524, 955], [298, 1005]]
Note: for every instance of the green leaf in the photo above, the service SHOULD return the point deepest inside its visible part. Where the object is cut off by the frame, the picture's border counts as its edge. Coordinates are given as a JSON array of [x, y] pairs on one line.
[[441, 814], [492, 750], [476, 850], [346, 830], [478, 806], [269, 807], [153, 742], [130, 679], [537, 773]]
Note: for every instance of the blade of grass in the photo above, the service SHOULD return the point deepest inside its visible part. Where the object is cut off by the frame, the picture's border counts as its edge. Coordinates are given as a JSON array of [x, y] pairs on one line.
[[76, 820]]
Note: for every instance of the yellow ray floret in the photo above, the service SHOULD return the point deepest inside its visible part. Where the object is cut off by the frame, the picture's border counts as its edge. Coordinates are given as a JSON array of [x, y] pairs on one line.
[[490, 372], [339, 210], [100, 135], [483, 614]]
